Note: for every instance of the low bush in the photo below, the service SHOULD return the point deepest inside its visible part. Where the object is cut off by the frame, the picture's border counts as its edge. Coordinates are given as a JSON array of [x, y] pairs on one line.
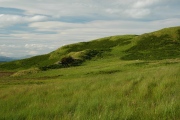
[[54, 66], [65, 62]]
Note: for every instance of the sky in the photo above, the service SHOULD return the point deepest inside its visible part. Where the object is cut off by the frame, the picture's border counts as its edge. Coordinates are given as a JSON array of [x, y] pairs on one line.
[[34, 27]]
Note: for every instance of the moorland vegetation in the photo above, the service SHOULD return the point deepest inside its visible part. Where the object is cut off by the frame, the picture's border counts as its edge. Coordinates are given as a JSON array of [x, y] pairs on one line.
[[125, 77]]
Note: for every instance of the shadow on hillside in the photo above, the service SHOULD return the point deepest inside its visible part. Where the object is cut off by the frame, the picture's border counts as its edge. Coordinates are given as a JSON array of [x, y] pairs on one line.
[[151, 47]]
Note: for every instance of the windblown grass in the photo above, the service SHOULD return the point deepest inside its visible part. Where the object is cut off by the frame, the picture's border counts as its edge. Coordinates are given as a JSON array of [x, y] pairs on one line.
[[137, 90], [143, 86]]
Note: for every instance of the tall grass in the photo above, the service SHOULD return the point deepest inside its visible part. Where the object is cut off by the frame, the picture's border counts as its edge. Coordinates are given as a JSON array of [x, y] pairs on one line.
[[133, 90], [144, 87]]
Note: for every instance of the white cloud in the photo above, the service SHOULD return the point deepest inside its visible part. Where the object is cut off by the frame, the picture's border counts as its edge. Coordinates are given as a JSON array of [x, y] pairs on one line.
[[8, 20], [7, 54], [138, 13], [144, 3], [45, 29], [101, 9], [66, 33], [91, 8], [19, 50], [113, 10], [8, 46], [141, 8], [32, 52], [35, 18], [38, 46]]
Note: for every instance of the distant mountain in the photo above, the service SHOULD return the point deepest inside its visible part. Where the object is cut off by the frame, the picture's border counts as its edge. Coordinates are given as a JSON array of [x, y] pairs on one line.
[[23, 57], [158, 45], [27, 56], [9, 59], [6, 59]]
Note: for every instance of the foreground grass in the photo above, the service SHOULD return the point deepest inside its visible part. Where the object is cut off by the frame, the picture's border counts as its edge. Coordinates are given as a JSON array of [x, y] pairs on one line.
[[131, 90]]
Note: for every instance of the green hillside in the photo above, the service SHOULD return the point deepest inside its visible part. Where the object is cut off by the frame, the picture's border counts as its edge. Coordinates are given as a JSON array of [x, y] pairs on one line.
[[126, 77], [162, 44], [83, 51]]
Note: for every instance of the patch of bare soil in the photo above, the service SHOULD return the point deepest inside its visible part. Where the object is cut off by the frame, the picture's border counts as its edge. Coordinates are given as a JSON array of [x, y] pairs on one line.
[[3, 74]]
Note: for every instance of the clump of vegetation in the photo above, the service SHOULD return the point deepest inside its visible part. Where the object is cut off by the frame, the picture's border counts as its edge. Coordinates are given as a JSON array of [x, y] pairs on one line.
[[66, 61], [105, 72], [70, 61], [54, 66], [26, 72]]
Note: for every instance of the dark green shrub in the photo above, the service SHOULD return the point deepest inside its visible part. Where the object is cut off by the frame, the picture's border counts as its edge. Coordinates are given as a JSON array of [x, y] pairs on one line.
[[54, 66], [70, 61], [77, 62], [67, 61]]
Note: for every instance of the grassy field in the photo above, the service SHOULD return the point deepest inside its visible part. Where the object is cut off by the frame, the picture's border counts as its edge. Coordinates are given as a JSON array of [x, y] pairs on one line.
[[126, 77], [127, 90]]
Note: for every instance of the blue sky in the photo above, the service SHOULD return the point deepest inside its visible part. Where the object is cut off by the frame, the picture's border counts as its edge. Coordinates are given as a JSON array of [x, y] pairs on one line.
[[33, 27]]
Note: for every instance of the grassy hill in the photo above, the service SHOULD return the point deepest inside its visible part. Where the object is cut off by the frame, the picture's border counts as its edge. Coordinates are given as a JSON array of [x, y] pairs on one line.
[[126, 77], [83, 50], [162, 44]]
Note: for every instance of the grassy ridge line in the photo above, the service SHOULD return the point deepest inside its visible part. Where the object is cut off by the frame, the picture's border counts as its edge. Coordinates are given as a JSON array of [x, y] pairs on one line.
[[162, 44], [138, 90], [101, 45]]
